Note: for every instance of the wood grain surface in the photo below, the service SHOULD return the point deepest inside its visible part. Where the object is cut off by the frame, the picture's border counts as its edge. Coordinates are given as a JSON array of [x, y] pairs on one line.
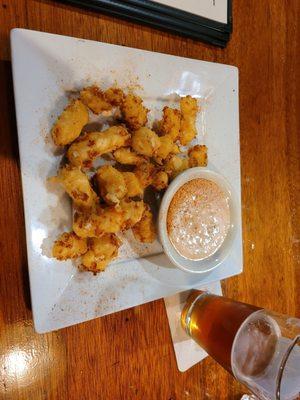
[[129, 355]]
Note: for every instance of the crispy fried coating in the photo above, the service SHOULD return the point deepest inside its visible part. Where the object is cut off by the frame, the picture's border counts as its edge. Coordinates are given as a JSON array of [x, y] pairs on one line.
[[95, 99], [145, 173], [144, 231], [134, 112], [95, 224], [111, 184], [70, 123], [175, 165], [98, 101], [167, 147], [170, 124], [126, 156], [78, 187], [160, 180], [145, 141], [114, 96], [133, 185], [189, 109], [86, 149], [133, 211], [110, 219], [101, 251], [68, 245], [152, 159], [198, 156]]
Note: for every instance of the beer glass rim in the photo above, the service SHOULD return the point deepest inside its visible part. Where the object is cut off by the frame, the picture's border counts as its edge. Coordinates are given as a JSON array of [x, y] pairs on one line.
[[283, 361], [283, 364]]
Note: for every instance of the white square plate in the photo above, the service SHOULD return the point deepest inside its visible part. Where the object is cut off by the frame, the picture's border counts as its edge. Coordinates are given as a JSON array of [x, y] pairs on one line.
[[45, 67]]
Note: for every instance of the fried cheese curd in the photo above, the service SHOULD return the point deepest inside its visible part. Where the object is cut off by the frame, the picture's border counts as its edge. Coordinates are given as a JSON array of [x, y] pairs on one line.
[[114, 185], [134, 112], [114, 96], [69, 124], [109, 219], [133, 212], [144, 231], [77, 185], [94, 99], [175, 165], [111, 184], [111, 201], [126, 156], [98, 101], [145, 173], [170, 124], [101, 251], [91, 145], [189, 109], [133, 185], [160, 180], [197, 156], [145, 141], [166, 147], [68, 245]]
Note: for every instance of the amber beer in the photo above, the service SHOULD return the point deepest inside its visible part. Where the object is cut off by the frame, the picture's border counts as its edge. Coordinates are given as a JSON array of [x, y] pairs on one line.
[[213, 321]]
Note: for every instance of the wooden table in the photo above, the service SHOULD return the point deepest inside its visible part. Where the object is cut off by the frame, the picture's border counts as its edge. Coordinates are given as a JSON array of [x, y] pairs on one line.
[[129, 355]]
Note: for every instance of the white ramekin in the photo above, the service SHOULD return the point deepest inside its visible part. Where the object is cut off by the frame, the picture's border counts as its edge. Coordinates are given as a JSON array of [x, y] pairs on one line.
[[209, 263]]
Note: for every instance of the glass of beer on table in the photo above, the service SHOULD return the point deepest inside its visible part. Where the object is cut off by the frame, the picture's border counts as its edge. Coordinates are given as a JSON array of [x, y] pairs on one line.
[[260, 348]]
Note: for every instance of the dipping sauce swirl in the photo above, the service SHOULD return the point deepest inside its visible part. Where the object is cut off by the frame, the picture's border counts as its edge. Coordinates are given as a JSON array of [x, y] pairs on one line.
[[198, 219]]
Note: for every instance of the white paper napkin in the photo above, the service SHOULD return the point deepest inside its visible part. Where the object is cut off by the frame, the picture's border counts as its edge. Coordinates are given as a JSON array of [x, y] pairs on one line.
[[187, 352]]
